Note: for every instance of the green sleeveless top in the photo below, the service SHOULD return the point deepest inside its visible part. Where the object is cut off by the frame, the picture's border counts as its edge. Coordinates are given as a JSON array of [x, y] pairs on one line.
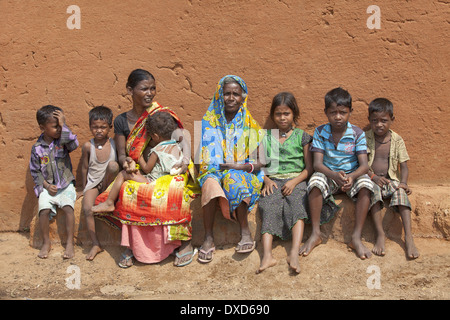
[[285, 160]]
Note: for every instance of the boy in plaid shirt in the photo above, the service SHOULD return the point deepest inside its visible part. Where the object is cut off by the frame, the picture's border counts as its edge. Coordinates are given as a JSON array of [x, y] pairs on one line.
[[51, 170], [389, 172]]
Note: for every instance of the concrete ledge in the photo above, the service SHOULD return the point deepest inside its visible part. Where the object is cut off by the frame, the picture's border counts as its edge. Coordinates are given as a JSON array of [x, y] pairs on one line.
[[430, 219]]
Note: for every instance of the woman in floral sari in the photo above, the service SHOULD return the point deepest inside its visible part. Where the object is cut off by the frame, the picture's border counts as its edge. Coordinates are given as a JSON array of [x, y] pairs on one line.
[[229, 173], [155, 218]]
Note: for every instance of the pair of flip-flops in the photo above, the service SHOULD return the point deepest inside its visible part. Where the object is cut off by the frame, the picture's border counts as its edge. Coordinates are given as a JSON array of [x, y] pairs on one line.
[[238, 249], [179, 256]]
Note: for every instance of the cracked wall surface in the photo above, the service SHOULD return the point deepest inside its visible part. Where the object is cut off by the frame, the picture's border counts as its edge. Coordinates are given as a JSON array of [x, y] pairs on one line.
[[306, 47]]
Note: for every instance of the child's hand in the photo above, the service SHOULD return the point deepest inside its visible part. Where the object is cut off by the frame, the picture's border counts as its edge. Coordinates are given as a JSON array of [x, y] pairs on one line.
[[52, 189], [340, 177], [405, 187], [181, 165], [380, 181], [268, 187], [59, 115], [288, 187], [348, 185]]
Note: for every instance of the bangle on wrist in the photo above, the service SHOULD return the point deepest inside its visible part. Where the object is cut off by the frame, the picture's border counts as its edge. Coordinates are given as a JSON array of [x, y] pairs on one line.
[[252, 168], [373, 175]]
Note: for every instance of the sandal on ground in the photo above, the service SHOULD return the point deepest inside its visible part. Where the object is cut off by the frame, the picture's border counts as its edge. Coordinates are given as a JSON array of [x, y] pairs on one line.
[[205, 253], [179, 256], [126, 258], [240, 245]]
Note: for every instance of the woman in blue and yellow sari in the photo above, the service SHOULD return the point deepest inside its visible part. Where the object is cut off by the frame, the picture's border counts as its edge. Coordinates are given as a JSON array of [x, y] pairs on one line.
[[229, 171]]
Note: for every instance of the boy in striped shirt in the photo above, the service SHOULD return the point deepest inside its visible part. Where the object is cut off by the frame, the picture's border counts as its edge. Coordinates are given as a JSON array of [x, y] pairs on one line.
[[341, 165]]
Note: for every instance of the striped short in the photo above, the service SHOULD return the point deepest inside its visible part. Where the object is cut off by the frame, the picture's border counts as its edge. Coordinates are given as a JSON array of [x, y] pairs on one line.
[[329, 187], [397, 195]]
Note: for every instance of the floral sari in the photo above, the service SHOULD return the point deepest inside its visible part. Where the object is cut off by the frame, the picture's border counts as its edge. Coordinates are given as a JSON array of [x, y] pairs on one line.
[[233, 142], [165, 201]]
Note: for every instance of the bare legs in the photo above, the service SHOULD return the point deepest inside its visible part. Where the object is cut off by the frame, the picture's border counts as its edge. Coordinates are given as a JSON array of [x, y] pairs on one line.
[[269, 261], [209, 211], [88, 202], [405, 214], [44, 223], [315, 203]]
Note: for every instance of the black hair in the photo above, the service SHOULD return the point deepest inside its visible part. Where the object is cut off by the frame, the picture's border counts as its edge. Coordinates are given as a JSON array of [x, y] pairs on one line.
[[339, 96], [137, 76], [381, 105], [45, 113], [101, 113], [161, 123], [287, 99]]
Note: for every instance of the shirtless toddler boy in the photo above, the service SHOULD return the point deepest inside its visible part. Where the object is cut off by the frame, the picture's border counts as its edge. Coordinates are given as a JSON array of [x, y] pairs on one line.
[[389, 172]]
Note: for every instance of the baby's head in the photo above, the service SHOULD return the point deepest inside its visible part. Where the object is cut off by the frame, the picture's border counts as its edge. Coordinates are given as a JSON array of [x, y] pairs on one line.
[[45, 114], [101, 113], [162, 124]]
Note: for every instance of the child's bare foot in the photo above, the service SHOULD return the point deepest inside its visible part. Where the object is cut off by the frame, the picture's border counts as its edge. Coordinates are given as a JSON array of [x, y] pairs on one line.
[[266, 262], [313, 241], [361, 250], [378, 248], [70, 252], [96, 249], [45, 249], [293, 262], [107, 206], [411, 250]]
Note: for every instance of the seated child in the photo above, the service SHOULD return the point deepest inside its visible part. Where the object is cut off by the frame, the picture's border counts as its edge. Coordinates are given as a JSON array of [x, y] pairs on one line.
[[99, 167], [163, 155], [340, 161], [389, 172], [284, 201], [51, 169]]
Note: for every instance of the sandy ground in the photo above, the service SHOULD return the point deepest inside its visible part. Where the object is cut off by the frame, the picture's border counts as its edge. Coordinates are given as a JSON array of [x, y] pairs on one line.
[[330, 272]]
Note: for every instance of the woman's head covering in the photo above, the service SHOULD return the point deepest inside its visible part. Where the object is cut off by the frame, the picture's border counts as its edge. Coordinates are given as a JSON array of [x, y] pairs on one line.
[[224, 141]]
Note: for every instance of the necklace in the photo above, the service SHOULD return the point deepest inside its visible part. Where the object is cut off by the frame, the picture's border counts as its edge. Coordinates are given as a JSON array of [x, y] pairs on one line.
[[383, 142], [99, 146], [384, 138], [283, 134]]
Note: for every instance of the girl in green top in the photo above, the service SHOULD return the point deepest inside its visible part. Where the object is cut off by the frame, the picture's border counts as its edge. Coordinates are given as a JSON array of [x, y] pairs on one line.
[[284, 200]]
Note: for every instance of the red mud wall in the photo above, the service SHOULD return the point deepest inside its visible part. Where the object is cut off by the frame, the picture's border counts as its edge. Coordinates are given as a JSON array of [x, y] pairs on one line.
[[306, 47]]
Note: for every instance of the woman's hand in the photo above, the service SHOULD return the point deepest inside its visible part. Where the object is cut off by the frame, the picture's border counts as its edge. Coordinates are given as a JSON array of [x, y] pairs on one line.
[[129, 165]]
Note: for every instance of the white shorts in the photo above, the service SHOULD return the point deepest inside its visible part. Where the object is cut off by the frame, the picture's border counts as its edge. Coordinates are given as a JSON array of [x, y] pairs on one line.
[[64, 197]]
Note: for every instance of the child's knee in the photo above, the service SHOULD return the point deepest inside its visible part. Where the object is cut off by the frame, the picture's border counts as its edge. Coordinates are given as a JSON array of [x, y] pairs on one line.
[[44, 213], [113, 167]]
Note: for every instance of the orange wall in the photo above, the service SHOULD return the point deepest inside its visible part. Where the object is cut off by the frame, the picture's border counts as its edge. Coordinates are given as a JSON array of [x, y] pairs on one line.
[[306, 47]]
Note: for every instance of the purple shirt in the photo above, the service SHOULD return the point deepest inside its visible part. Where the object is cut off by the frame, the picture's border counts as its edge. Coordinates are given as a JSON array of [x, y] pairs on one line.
[[51, 162]]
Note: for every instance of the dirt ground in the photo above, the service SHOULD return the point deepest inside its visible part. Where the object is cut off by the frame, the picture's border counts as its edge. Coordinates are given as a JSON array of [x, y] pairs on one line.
[[330, 272]]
